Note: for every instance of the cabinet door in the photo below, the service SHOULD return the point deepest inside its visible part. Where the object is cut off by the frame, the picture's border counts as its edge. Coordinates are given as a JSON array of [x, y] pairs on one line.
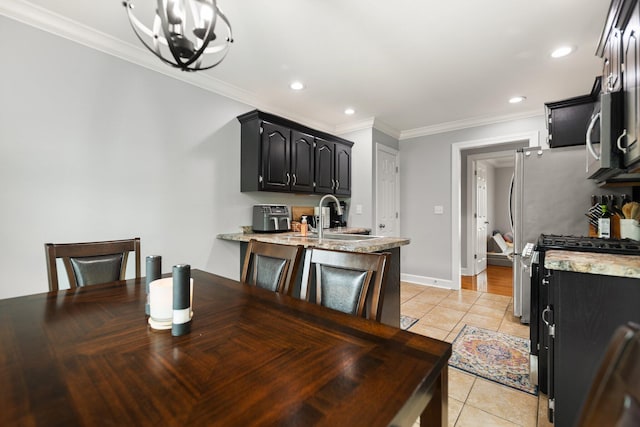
[[325, 182], [302, 161], [343, 170], [275, 157], [612, 69], [631, 49]]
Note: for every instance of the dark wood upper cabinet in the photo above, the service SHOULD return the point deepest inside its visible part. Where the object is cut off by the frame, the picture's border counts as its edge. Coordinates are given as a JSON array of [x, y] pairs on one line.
[[619, 48], [325, 171], [343, 169], [276, 157], [302, 164], [281, 155]]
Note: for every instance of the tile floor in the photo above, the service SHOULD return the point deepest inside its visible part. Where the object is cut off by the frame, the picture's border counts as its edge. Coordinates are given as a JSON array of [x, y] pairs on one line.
[[473, 401]]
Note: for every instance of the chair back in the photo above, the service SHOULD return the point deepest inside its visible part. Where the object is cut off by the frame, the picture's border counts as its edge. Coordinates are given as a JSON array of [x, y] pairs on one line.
[[614, 396], [271, 266], [342, 280], [91, 263]]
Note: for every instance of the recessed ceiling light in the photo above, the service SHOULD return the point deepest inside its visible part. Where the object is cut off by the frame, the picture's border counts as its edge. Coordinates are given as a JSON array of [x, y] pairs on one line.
[[349, 111], [296, 85], [562, 51], [517, 99]]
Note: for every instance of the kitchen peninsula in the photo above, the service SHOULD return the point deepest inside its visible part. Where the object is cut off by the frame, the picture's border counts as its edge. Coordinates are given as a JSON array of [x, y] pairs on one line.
[[341, 239]]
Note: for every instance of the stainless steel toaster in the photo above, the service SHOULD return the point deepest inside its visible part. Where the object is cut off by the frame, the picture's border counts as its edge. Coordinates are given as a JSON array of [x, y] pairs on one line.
[[271, 218]]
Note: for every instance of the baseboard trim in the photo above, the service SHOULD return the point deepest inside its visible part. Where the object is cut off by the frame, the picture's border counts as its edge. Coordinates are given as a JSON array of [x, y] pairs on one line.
[[427, 281]]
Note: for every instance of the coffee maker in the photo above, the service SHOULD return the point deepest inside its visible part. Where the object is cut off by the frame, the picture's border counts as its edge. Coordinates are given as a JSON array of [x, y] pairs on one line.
[[336, 220]]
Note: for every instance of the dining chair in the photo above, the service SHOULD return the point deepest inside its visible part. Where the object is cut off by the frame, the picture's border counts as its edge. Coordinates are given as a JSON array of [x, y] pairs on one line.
[[342, 280], [92, 262], [271, 266], [614, 396]]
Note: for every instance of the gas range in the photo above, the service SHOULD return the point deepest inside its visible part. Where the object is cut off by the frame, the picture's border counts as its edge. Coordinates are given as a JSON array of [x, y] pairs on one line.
[[588, 244]]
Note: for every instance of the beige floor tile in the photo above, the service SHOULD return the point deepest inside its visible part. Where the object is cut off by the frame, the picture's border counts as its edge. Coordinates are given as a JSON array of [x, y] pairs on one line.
[[473, 417], [543, 421], [516, 329], [455, 407], [487, 311], [428, 297], [438, 291], [480, 321], [460, 384], [443, 318], [513, 405], [494, 297], [501, 305], [428, 331], [456, 305], [463, 295], [415, 308], [451, 337]]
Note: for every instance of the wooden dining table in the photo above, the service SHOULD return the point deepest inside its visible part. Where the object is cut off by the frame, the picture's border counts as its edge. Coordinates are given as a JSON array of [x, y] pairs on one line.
[[88, 357]]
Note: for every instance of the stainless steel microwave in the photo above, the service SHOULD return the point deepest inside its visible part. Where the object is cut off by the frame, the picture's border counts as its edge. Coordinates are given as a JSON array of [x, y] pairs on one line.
[[605, 159]]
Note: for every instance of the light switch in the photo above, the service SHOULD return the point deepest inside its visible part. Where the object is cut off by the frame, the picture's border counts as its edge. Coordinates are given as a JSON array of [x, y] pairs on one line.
[[359, 209], [438, 210]]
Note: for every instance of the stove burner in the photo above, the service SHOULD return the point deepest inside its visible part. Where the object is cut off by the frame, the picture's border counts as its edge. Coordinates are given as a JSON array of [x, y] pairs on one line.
[[588, 244]]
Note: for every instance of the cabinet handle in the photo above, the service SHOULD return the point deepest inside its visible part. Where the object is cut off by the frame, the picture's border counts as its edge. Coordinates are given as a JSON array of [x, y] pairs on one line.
[[333, 184], [381, 225], [288, 178], [294, 179], [619, 142], [337, 184], [594, 119]]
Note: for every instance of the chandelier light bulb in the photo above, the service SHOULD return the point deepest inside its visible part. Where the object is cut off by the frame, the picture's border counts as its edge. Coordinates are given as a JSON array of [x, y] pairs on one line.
[[183, 33]]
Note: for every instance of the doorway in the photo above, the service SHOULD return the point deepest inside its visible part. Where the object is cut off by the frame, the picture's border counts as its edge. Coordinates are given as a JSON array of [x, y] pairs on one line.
[[458, 217], [485, 205]]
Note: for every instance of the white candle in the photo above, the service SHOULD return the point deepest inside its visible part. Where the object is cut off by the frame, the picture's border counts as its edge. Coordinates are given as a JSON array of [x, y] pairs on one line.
[[161, 303]]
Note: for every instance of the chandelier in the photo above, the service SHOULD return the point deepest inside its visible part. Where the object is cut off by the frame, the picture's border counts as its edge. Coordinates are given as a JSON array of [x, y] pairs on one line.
[[184, 33]]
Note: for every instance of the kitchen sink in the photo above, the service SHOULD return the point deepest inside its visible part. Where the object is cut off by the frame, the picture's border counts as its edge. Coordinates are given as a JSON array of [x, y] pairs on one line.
[[339, 236]]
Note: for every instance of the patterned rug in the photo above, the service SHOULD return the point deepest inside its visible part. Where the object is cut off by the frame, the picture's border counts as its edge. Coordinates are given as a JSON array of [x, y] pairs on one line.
[[495, 356], [406, 322]]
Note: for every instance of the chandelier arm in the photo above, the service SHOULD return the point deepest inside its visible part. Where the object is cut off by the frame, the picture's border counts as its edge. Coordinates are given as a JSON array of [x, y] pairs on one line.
[[134, 23], [162, 12], [194, 62], [197, 55]]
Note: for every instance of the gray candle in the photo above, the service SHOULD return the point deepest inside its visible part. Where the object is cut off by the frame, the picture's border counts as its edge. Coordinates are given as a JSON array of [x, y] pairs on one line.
[[153, 272], [181, 323]]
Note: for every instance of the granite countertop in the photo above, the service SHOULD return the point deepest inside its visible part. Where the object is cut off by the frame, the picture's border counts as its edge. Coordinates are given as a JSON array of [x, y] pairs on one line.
[[593, 263], [368, 244]]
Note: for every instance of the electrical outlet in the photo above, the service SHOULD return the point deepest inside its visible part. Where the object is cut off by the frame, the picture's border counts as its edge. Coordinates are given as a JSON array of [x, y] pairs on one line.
[[359, 209], [438, 210]]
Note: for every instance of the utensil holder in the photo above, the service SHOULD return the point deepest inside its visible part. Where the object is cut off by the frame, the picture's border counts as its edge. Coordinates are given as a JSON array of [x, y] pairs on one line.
[[629, 229]]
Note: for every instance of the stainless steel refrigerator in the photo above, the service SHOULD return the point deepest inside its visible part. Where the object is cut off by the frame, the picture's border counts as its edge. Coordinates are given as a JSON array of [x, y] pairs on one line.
[[550, 194]]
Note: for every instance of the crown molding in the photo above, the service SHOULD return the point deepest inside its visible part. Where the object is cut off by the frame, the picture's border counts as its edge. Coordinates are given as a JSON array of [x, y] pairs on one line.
[[43, 19], [368, 123], [386, 129], [463, 124], [354, 126]]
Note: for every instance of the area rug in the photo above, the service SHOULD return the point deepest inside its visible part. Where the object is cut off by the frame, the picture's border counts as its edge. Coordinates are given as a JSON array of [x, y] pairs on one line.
[[494, 356], [406, 322]]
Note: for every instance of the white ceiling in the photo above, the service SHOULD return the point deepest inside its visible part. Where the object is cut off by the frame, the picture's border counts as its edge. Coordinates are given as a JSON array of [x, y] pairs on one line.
[[413, 66]]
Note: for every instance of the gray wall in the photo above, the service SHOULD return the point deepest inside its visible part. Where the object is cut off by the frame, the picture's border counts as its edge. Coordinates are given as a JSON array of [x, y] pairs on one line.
[[425, 181], [95, 148]]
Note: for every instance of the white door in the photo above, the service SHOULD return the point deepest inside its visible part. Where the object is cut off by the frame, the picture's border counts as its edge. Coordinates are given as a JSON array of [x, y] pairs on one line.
[[480, 253], [387, 218]]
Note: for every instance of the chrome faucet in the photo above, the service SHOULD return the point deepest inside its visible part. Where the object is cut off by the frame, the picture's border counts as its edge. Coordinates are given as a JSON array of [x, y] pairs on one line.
[[338, 209]]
